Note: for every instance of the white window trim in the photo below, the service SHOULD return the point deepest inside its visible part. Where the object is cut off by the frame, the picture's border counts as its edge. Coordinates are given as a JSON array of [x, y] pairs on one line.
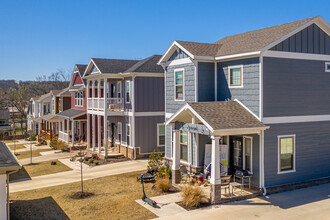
[[279, 154], [119, 91], [129, 91], [183, 84], [160, 124], [242, 70], [251, 162], [181, 160], [130, 136], [326, 66], [79, 102], [121, 131]]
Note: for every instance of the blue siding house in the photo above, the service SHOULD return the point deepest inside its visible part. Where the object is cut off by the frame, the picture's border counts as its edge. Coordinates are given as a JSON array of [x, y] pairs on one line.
[[256, 101]]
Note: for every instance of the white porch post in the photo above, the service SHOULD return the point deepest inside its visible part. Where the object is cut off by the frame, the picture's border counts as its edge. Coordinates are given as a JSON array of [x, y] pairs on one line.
[[98, 92], [105, 124], [68, 129], [93, 95], [215, 171], [72, 133], [99, 133], [93, 134], [176, 175], [88, 131]]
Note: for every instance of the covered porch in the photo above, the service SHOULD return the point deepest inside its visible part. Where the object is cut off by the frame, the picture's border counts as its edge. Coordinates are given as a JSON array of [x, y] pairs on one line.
[[220, 140], [73, 126], [49, 126]]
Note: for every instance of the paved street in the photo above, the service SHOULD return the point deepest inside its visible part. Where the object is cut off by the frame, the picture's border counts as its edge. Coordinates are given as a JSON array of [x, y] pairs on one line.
[[306, 203]]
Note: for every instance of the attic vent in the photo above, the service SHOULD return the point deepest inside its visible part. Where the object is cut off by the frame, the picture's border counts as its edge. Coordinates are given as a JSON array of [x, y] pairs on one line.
[[327, 67]]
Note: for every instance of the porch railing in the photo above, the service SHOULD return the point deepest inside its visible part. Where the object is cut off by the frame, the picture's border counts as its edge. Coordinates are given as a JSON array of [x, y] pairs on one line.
[[112, 104], [63, 136]]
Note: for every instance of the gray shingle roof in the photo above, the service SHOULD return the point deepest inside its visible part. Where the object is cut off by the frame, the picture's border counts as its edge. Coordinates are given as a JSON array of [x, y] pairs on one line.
[[76, 87], [8, 161], [113, 65], [4, 114], [81, 68], [147, 65], [71, 113], [226, 115], [64, 92], [245, 42]]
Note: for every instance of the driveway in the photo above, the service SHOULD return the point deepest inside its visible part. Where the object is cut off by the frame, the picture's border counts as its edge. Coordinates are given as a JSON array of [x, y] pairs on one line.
[[306, 203]]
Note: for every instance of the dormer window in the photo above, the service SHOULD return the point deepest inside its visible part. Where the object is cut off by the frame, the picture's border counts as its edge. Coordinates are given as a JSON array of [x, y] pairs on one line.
[[327, 67], [235, 76]]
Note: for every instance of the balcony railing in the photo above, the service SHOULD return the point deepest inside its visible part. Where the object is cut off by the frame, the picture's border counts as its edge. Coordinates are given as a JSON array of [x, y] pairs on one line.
[[112, 104]]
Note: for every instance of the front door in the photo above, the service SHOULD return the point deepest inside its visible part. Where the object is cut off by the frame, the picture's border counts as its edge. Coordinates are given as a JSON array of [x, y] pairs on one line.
[[113, 132], [236, 154]]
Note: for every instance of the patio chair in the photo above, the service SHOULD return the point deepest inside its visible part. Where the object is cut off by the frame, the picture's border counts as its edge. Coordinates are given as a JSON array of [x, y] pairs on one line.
[[225, 183]]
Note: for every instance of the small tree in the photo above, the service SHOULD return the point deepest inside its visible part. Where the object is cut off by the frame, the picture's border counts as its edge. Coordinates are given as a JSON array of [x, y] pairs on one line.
[[155, 160]]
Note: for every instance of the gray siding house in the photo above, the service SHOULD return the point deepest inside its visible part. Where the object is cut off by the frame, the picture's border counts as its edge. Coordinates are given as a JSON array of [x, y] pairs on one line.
[[125, 106], [278, 78]]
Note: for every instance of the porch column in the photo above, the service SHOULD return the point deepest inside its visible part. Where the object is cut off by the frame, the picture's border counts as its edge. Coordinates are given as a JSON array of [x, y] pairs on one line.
[[99, 133], [72, 133], [215, 171], [105, 124], [98, 92], [93, 130], [93, 95], [68, 129], [176, 175], [88, 89], [88, 131]]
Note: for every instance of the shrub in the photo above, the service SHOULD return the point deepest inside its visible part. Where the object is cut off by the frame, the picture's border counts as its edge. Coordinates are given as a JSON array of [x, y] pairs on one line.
[[33, 137], [54, 143], [165, 172], [192, 196], [61, 145], [163, 184], [96, 162], [155, 160], [90, 161]]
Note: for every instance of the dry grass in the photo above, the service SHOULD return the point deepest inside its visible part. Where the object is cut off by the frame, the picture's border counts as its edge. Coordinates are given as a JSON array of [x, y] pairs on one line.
[[192, 196], [163, 184], [39, 169], [114, 199], [17, 146], [27, 154]]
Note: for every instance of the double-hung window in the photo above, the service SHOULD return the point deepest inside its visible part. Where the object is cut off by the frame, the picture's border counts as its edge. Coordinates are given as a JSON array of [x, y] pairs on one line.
[[184, 145], [128, 91], [286, 151], [235, 75], [160, 135], [119, 131], [248, 154], [79, 99], [179, 95], [128, 134], [119, 89]]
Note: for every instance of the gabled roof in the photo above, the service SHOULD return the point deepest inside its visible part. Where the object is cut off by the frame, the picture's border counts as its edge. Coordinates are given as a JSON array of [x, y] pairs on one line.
[[258, 39], [8, 161], [248, 42], [71, 113], [64, 93], [44, 96], [4, 114], [55, 92], [147, 65], [81, 68], [222, 115], [113, 65]]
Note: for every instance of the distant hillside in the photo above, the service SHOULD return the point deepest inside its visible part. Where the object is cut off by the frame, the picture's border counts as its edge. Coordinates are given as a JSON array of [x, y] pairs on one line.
[[6, 84]]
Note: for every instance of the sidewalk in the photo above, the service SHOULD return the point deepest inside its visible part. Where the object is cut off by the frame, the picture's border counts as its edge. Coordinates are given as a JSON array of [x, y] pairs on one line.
[[74, 175]]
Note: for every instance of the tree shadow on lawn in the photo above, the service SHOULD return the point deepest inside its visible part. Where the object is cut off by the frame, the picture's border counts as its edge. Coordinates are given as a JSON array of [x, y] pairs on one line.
[[43, 208], [20, 175]]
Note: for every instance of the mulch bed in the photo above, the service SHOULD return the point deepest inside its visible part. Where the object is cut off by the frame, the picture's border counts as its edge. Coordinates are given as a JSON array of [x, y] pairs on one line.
[[81, 195]]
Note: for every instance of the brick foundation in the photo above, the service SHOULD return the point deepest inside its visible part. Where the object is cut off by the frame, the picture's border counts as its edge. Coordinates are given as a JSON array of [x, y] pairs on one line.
[[128, 152], [215, 193], [176, 176]]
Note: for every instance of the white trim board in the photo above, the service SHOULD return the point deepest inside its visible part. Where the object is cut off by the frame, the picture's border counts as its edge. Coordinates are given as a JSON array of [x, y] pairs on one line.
[[295, 119], [168, 115], [293, 55], [179, 62]]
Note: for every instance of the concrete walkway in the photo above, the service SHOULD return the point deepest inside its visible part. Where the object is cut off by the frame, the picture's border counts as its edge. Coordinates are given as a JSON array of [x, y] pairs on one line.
[[47, 157], [306, 203], [74, 175]]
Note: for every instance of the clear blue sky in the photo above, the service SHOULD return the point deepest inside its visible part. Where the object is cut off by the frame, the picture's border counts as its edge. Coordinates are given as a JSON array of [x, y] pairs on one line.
[[38, 37]]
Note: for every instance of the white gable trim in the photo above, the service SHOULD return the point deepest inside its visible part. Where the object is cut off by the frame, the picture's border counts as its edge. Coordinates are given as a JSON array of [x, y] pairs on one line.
[[294, 55], [89, 67], [174, 46], [318, 20]]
